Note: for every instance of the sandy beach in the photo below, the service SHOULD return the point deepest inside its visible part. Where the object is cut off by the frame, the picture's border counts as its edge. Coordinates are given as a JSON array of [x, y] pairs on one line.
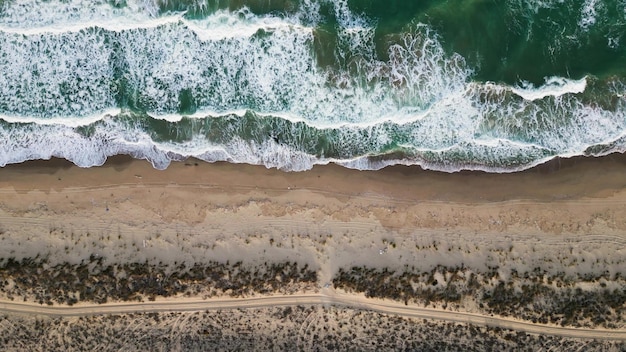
[[561, 223], [327, 217]]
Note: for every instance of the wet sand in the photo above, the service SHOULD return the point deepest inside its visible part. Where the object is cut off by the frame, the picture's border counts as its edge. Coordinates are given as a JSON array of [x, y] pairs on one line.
[[558, 179]]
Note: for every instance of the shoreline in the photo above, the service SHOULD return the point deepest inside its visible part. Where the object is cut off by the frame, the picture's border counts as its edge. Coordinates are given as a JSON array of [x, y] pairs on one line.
[[555, 180]]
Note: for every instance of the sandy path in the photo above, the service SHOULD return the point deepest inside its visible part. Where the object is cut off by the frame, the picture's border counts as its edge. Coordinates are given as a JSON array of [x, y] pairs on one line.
[[328, 297]]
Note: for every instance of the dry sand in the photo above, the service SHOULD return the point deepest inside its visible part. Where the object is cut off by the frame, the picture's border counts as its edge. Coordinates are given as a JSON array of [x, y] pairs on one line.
[[568, 215]]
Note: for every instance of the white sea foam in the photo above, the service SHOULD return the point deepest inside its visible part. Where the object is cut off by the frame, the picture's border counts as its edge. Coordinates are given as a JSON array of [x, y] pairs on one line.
[[45, 141], [233, 62], [116, 24], [588, 14], [220, 25], [198, 115], [64, 75], [111, 137], [223, 63], [562, 126], [33, 15], [553, 86], [278, 75], [67, 121], [241, 23]]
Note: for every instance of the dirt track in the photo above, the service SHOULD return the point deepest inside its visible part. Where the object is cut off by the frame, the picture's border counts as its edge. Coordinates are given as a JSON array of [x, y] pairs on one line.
[[328, 297]]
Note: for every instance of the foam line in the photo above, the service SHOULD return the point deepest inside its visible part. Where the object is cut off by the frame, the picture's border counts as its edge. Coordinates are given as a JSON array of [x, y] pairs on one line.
[[553, 86], [63, 121], [113, 25]]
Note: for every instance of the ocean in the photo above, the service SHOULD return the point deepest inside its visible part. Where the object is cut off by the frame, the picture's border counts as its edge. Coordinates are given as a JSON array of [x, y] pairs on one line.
[[498, 86]]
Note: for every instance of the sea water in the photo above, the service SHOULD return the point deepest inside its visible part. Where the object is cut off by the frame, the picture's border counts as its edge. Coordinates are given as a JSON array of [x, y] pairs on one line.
[[498, 86]]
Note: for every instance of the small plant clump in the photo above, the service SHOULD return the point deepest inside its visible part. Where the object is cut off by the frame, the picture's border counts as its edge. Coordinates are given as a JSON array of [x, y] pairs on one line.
[[295, 328], [534, 296], [93, 281]]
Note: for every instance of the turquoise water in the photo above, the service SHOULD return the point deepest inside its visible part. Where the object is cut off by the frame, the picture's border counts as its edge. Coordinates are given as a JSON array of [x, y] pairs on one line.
[[498, 86]]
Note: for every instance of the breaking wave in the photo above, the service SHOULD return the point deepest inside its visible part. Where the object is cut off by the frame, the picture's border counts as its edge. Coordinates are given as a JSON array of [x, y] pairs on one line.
[[310, 83]]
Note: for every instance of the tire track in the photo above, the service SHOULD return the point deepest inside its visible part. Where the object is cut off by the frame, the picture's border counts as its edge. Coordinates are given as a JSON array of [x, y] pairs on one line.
[[327, 298]]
